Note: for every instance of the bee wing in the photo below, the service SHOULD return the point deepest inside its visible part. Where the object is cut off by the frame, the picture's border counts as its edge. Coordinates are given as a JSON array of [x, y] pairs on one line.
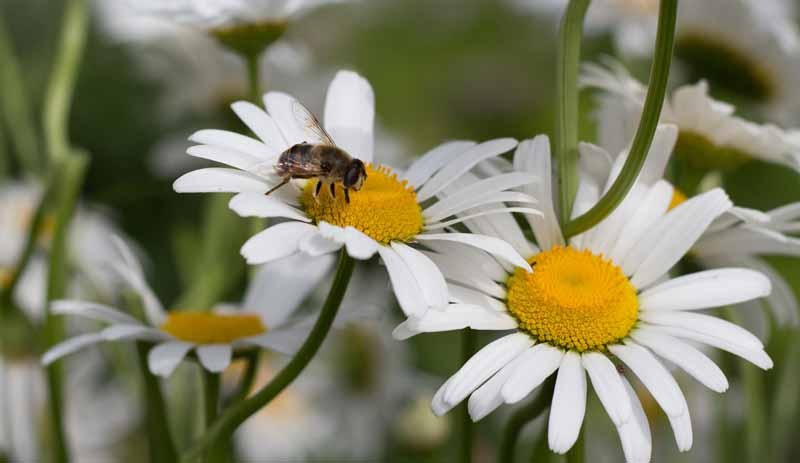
[[301, 169], [310, 125]]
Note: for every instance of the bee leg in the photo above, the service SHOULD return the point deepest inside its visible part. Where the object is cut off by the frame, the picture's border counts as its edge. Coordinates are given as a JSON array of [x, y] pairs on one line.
[[316, 190], [332, 187], [347, 195], [283, 182]]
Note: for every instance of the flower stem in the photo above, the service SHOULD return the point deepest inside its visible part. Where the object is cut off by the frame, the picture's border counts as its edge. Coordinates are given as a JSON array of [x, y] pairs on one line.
[[466, 432], [211, 401], [248, 378], [62, 81], [566, 147], [236, 414], [651, 113], [162, 448], [16, 107], [253, 77], [521, 417]]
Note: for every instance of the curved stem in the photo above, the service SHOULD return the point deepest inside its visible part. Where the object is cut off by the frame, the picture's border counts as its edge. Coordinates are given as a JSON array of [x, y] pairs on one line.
[[523, 416], [62, 81], [236, 414], [566, 146], [647, 124], [252, 358]]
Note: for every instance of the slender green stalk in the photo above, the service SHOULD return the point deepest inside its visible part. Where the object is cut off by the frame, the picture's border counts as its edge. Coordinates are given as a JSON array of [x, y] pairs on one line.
[[523, 416], [61, 86], [211, 383], [466, 433], [16, 108], [651, 113], [159, 435], [566, 148], [236, 414], [248, 378], [253, 78], [785, 401]]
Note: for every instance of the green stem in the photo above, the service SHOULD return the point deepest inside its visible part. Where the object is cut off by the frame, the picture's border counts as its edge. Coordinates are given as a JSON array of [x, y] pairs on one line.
[[253, 78], [465, 444], [230, 419], [61, 86], [248, 378], [71, 174], [521, 417], [566, 147], [211, 383], [159, 436], [16, 107], [651, 113]]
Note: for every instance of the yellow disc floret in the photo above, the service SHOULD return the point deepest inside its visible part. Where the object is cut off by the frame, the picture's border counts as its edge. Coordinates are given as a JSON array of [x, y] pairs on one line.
[[678, 198], [385, 208], [212, 328], [573, 299]]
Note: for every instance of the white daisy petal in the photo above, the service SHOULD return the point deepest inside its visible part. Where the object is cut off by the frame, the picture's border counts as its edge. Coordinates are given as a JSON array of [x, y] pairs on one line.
[[359, 245], [756, 356], [214, 357], [281, 108], [252, 204], [689, 359], [262, 125], [285, 340], [234, 141], [92, 311], [429, 163], [227, 156], [682, 429], [637, 443], [438, 405], [569, 404], [275, 242], [350, 114], [455, 317], [657, 202], [137, 331], [608, 385], [405, 286], [494, 246], [488, 397], [703, 324], [485, 363], [461, 199], [534, 156], [316, 244], [682, 226], [165, 357], [448, 174], [69, 346], [219, 180], [655, 377], [705, 290], [540, 361], [428, 276], [154, 310]]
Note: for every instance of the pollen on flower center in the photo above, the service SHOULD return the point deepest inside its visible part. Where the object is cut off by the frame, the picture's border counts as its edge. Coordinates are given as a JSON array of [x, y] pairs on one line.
[[385, 208], [212, 328], [573, 299]]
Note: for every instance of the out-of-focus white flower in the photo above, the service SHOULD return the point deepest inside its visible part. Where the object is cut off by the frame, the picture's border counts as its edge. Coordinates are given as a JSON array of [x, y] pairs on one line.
[[385, 216], [710, 137], [213, 336], [89, 247], [605, 291]]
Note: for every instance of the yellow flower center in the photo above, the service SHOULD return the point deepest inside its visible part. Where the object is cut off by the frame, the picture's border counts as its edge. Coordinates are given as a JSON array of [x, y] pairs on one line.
[[212, 328], [573, 299], [678, 198], [385, 208]]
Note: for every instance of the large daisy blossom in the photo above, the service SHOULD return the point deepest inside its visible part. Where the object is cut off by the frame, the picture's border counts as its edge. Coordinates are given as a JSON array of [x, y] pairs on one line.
[[263, 321], [710, 135], [386, 216], [601, 299]]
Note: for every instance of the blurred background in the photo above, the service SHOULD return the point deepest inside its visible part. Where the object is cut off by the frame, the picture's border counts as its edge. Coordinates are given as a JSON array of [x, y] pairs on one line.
[[443, 69]]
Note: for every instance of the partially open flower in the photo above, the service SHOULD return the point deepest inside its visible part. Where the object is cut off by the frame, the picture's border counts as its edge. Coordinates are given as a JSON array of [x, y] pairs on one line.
[[594, 302]]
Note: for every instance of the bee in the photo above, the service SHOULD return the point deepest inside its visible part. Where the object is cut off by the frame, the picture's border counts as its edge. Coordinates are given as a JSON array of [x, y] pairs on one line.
[[320, 159]]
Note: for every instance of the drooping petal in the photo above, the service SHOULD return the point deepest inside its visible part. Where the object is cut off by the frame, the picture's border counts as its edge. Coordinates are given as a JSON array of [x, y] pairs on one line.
[[428, 276], [569, 404], [92, 311], [215, 357], [608, 385], [637, 443], [165, 357], [69, 346], [540, 361], [276, 242], [252, 204], [405, 286], [489, 396], [133, 331]]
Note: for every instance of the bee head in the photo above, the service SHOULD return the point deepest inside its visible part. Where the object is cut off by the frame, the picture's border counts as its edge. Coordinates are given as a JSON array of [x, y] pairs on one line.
[[355, 175]]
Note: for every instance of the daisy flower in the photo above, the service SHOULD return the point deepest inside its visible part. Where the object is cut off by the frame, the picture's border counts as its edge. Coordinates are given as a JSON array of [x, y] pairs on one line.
[[710, 135], [213, 336], [590, 304], [390, 213]]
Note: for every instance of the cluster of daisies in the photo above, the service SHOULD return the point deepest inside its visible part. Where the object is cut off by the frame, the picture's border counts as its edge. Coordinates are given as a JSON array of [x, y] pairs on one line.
[[601, 303], [468, 238]]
